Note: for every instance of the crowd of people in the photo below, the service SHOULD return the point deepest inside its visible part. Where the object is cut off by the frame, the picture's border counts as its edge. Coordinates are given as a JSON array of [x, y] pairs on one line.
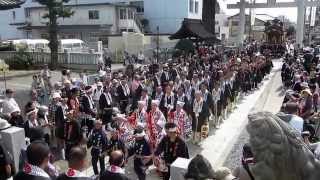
[[148, 113], [300, 77]]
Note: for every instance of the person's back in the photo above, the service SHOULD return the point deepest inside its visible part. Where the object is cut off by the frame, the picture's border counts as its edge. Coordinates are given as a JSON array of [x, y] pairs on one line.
[[28, 176], [38, 159], [66, 177], [115, 172], [76, 163], [113, 175]]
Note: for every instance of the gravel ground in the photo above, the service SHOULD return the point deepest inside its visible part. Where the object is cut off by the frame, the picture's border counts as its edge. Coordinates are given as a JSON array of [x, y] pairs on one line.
[[271, 101]]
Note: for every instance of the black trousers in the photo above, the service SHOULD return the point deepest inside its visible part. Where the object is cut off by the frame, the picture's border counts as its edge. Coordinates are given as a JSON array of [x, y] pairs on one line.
[[69, 146], [94, 162], [140, 169], [89, 123], [166, 175]]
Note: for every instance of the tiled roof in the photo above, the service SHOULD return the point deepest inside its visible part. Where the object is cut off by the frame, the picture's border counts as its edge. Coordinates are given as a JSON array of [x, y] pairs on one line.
[[193, 28], [10, 4]]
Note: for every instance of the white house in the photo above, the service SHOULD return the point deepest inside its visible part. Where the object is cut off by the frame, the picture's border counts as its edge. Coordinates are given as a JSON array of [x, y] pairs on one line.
[[92, 19], [97, 18], [89, 21], [221, 24], [221, 27]]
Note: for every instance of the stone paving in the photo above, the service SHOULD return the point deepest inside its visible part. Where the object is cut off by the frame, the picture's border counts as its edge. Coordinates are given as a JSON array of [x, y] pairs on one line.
[[224, 145], [270, 100], [218, 147]]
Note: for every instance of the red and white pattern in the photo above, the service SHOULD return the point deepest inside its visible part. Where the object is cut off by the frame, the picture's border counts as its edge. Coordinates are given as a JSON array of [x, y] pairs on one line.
[[34, 171], [74, 173], [182, 121]]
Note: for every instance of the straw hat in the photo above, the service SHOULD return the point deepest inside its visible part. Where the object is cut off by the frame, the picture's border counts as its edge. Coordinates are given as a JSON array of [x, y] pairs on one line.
[[307, 91]]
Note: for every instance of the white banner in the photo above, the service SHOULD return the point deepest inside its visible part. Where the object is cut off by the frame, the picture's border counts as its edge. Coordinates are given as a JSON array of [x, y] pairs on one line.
[[252, 13], [313, 16]]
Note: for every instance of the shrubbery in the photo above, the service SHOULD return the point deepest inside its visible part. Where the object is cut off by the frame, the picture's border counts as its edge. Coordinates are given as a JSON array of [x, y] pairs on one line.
[[184, 46], [20, 61]]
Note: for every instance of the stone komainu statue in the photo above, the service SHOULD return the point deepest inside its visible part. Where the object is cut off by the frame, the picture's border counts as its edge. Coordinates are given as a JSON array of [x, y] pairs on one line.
[[279, 151]]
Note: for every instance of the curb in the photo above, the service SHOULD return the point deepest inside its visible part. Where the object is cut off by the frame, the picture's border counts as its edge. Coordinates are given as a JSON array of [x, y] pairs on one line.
[[218, 147], [18, 75]]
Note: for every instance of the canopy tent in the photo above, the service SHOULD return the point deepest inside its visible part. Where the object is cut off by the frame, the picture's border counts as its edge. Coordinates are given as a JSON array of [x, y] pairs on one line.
[[10, 4], [193, 28]]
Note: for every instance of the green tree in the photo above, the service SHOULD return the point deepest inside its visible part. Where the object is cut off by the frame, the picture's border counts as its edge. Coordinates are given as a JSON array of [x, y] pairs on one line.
[[56, 9]]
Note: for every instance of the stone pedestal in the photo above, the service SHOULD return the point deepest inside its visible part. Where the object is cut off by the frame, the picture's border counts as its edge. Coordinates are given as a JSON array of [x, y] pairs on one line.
[[179, 168], [14, 140]]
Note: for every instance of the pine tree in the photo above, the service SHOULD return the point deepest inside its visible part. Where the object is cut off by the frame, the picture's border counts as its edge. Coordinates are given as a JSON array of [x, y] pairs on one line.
[[56, 9]]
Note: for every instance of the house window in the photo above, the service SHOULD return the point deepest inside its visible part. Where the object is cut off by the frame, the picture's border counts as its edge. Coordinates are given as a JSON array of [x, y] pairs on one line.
[[123, 14], [27, 12], [235, 23], [13, 15], [196, 7], [139, 5], [191, 4], [130, 14], [217, 22], [93, 14], [44, 36], [71, 36]]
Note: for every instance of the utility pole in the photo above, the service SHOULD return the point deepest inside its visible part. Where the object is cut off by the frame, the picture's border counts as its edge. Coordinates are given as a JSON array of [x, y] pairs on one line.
[[250, 23], [157, 44], [309, 27]]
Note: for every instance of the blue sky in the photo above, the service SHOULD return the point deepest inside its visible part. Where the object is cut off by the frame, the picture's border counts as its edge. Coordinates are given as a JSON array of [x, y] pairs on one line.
[[290, 13]]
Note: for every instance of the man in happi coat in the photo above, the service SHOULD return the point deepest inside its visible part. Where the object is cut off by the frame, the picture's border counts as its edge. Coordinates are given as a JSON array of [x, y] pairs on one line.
[[181, 96], [124, 93], [155, 124], [73, 133], [106, 105], [157, 94], [141, 152], [89, 110], [115, 143], [139, 116], [168, 101], [180, 118], [172, 147]]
